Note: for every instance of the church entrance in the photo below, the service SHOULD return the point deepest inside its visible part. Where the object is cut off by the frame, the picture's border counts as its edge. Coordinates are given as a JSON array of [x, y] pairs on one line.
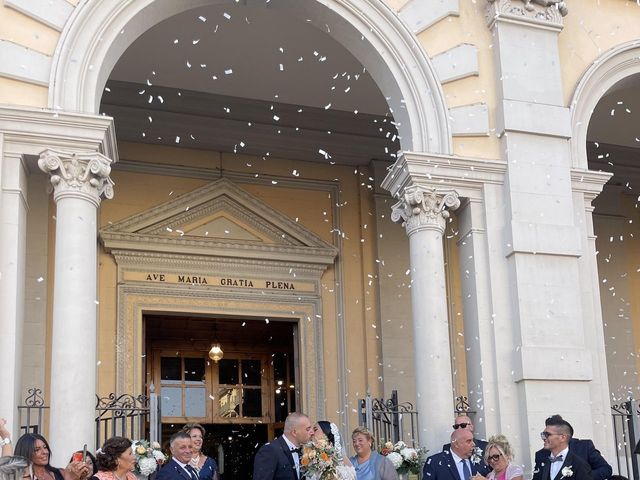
[[241, 399]]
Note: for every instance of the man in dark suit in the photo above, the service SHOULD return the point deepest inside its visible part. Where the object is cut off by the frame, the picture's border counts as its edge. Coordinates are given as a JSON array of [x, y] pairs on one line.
[[280, 459], [457, 462], [583, 448], [178, 468], [561, 462], [463, 421]]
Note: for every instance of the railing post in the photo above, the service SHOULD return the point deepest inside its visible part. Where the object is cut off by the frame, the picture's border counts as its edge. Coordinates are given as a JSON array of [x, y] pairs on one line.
[[395, 415], [154, 421], [369, 412]]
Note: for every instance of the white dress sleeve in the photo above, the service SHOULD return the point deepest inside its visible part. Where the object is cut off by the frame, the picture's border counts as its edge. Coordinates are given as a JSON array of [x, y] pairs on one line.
[[346, 472]]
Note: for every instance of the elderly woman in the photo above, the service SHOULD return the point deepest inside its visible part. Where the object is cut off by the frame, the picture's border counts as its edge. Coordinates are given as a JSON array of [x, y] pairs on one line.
[[205, 467], [369, 464], [35, 448], [14, 468], [115, 460], [499, 456]]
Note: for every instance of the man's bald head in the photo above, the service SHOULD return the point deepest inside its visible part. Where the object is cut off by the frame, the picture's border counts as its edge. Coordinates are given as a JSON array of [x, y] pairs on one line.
[[462, 442]]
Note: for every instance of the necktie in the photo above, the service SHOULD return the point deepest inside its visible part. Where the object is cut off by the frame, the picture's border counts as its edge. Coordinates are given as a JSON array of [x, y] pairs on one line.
[[465, 470], [192, 472], [555, 459], [297, 450]]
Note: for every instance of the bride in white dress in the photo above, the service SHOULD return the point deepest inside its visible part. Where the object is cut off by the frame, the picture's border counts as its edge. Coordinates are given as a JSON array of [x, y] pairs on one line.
[[323, 429]]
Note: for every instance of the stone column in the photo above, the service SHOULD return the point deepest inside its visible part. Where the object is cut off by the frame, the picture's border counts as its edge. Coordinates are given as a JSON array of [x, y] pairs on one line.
[[80, 181], [13, 239], [424, 213]]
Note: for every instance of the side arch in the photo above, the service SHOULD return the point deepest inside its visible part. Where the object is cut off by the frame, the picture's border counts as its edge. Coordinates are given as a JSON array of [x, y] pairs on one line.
[[99, 32], [605, 72]]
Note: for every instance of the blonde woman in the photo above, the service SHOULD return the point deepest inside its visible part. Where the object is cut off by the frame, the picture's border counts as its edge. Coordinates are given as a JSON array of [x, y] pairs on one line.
[[499, 456]]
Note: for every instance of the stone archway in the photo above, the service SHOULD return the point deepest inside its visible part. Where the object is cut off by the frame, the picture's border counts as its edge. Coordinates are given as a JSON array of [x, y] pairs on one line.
[[99, 32], [605, 72]]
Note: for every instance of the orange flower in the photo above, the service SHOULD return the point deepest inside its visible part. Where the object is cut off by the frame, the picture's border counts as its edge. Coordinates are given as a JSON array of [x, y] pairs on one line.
[[304, 461], [324, 457]]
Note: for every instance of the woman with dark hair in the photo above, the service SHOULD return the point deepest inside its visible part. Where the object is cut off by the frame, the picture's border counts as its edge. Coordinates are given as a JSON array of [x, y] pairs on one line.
[[116, 460], [34, 447], [329, 431], [205, 467]]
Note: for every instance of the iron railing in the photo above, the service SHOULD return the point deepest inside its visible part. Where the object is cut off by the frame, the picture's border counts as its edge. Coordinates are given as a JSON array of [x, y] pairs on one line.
[[31, 414], [626, 429], [389, 420]]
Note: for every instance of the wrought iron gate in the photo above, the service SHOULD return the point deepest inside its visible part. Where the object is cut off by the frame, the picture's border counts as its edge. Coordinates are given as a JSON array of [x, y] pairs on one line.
[[626, 430], [389, 420]]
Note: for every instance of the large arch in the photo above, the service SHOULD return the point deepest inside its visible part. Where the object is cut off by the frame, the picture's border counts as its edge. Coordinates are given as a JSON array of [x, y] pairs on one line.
[[604, 73], [99, 32]]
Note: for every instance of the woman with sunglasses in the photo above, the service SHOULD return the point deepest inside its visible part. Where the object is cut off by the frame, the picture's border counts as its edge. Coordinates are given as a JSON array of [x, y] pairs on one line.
[[499, 456]]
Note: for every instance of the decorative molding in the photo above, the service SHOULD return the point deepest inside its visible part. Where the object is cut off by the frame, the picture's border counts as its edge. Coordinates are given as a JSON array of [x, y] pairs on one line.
[[457, 63], [420, 14], [467, 176], [81, 175], [148, 230], [543, 13], [531, 117], [53, 13], [424, 209], [29, 130], [469, 120], [22, 63], [604, 73]]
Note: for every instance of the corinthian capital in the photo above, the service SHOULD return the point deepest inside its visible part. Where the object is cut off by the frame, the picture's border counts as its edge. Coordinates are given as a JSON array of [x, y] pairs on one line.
[[533, 11], [421, 208], [83, 175]]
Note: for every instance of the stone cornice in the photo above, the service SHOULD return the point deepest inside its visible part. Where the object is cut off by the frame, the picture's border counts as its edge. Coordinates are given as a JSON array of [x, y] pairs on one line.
[[80, 175], [538, 13], [588, 182], [467, 176], [30, 130], [211, 248]]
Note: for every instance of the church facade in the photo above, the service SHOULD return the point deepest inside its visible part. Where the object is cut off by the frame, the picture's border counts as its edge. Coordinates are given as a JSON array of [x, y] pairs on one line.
[[437, 197]]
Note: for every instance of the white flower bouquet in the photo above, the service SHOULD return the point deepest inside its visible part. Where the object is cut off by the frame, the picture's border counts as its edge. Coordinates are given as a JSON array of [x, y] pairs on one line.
[[404, 458], [148, 457]]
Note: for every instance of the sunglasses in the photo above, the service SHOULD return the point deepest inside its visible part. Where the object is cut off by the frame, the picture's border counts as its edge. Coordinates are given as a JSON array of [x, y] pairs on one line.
[[494, 458], [545, 435], [460, 425]]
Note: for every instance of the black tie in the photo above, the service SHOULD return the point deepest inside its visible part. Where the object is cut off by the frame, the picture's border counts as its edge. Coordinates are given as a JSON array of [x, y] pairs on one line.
[[297, 450], [192, 472], [555, 459]]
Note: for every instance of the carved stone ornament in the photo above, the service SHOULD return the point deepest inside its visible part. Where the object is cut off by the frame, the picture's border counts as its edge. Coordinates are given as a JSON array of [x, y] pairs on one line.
[[537, 11], [78, 174], [421, 208]]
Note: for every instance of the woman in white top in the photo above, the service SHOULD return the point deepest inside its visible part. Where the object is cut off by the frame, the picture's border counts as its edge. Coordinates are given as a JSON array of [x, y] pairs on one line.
[[499, 456]]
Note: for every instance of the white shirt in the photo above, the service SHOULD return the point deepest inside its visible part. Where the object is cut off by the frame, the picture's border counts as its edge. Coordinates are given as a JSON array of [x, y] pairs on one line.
[[555, 466], [183, 465], [296, 458], [459, 466]]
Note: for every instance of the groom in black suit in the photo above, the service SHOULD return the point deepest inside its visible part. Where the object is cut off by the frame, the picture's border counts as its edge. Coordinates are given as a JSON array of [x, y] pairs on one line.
[[456, 463], [280, 459], [562, 463], [178, 468]]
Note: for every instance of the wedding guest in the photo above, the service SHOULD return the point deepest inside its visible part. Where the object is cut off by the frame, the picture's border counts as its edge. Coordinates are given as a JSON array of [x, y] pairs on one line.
[[14, 468], [561, 462], [179, 467], [464, 421], [206, 467], [280, 459], [34, 447], [369, 464], [459, 462], [5, 439], [582, 447], [116, 460], [499, 456]]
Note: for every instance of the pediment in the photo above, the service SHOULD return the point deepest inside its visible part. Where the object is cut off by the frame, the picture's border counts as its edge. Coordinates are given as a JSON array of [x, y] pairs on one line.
[[218, 219]]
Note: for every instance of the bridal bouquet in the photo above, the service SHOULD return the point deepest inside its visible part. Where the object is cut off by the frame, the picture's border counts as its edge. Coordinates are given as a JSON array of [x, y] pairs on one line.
[[319, 461], [148, 457], [404, 458]]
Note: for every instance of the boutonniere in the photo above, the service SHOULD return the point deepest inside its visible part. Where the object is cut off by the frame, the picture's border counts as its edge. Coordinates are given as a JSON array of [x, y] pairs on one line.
[[566, 472], [476, 456]]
